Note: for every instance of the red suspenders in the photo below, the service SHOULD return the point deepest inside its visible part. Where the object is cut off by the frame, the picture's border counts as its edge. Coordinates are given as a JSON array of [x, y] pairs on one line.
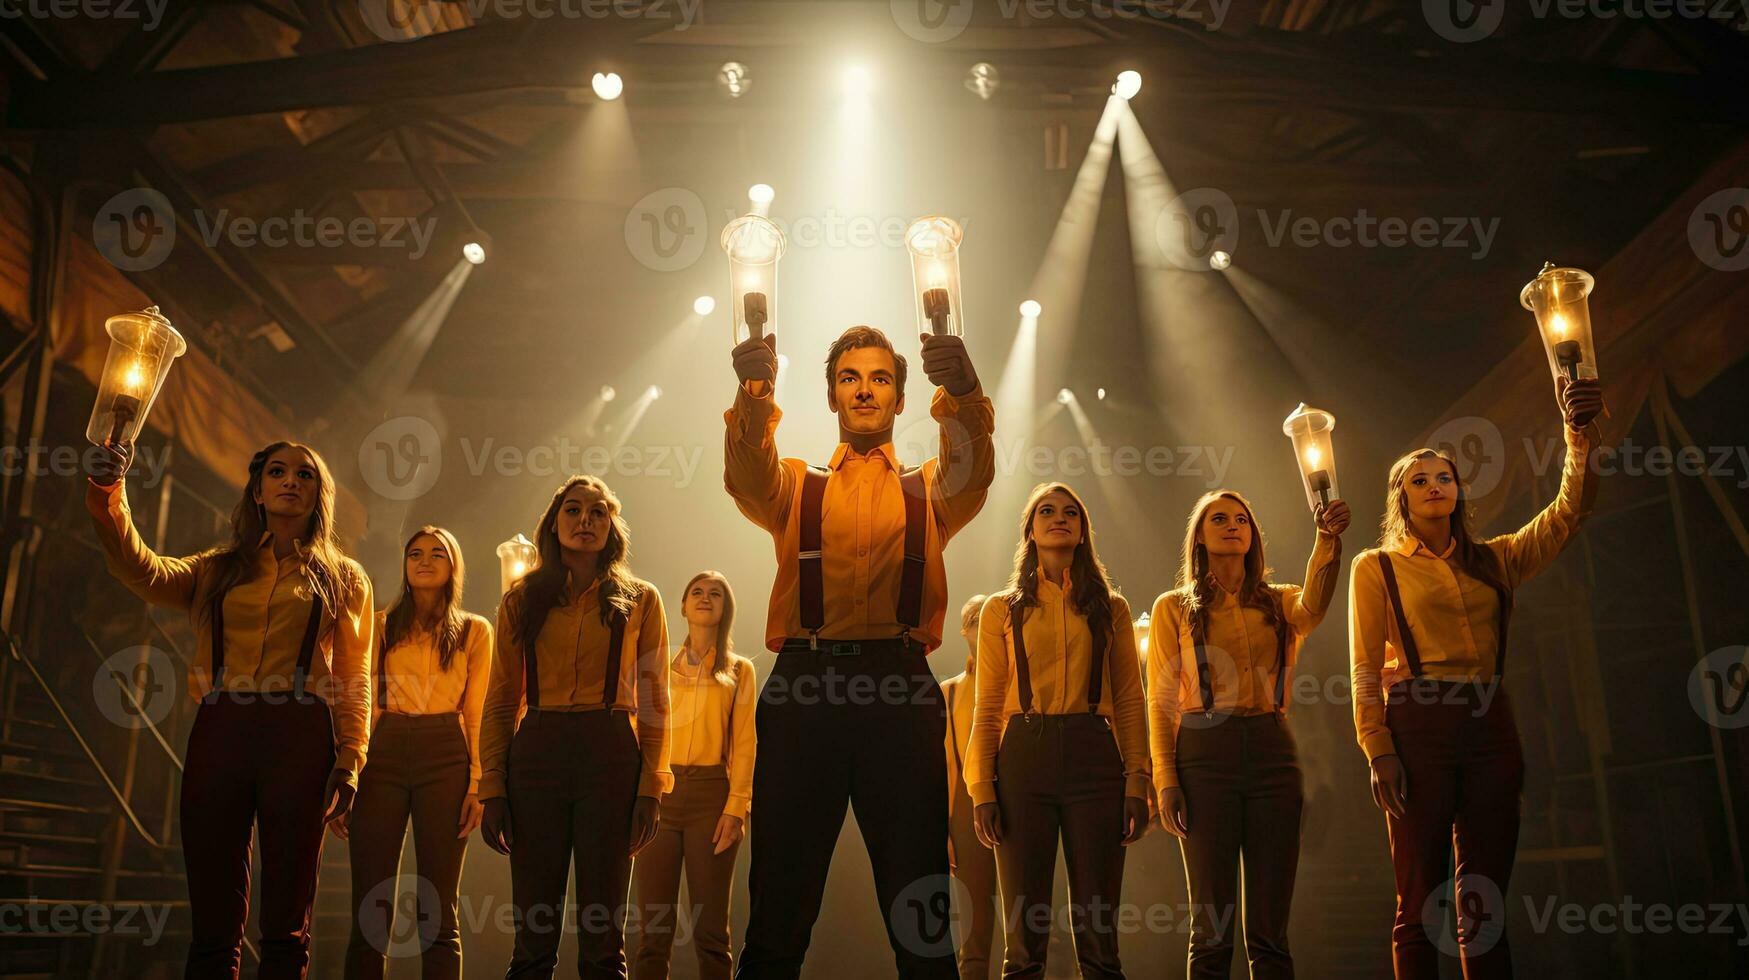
[[809, 555]]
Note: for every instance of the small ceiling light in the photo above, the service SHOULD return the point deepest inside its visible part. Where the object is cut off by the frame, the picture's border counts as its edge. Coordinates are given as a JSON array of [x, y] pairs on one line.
[[607, 86], [983, 80]]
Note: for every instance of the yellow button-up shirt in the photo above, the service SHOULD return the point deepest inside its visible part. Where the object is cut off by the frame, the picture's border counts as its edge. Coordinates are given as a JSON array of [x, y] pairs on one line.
[[572, 647], [414, 682], [862, 515], [1059, 654], [266, 615], [1240, 650], [1454, 617], [711, 720]]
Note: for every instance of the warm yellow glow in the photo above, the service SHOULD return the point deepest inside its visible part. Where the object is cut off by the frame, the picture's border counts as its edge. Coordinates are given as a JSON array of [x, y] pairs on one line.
[[937, 275], [517, 569], [1558, 326], [1313, 456], [135, 379]]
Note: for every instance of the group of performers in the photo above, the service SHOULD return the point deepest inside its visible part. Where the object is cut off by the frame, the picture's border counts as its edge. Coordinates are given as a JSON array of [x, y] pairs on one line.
[[570, 737]]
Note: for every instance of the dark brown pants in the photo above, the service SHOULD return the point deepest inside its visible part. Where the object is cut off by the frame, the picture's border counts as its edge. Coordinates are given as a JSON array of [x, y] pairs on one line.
[[683, 841], [1060, 778], [975, 867], [863, 730], [573, 778], [1465, 767], [418, 769], [1243, 794], [257, 758]]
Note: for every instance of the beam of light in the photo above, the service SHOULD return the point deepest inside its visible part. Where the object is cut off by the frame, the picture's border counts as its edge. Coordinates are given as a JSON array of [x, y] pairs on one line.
[[391, 369], [1062, 272], [1126, 512], [635, 414]]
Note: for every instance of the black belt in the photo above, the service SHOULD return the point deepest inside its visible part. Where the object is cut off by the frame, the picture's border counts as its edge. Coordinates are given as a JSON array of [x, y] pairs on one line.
[[854, 648]]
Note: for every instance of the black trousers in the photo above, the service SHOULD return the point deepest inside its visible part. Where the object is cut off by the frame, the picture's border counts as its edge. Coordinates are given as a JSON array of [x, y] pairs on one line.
[[1459, 747], [573, 779], [264, 760], [863, 730], [1060, 778], [1243, 793]]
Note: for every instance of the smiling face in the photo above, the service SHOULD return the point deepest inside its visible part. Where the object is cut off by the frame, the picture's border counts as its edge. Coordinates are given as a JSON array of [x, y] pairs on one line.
[[1056, 522], [703, 603], [1430, 488], [289, 484], [1226, 528], [584, 520], [865, 391], [429, 564]]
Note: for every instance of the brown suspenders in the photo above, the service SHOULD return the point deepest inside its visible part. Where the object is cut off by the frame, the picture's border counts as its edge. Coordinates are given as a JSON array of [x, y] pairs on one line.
[[1023, 668], [383, 666], [1411, 652], [1206, 687], [809, 556], [306, 651], [610, 683]]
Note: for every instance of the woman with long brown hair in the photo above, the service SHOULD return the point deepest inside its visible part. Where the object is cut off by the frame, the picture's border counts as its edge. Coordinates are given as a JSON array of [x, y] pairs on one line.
[[712, 696], [1221, 648], [582, 661], [1059, 745], [432, 667], [283, 626], [1428, 615]]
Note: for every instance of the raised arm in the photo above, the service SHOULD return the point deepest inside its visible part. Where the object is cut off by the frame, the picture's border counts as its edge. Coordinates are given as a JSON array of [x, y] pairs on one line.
[[1305, 606], [988, 711], [161, 581], [967, 458], [752, 472], [656, 777], [1165, 660], [1128, 705], [1536, 545]]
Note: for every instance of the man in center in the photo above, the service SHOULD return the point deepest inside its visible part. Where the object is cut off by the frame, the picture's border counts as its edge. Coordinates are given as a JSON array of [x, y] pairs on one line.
[[851, 713]]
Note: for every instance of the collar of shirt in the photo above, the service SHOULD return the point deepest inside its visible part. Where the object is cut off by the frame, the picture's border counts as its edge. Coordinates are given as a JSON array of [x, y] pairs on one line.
[[884, 450], [266, 558], [682, 665], [1057, 591], [1412, 544], [594, 587]]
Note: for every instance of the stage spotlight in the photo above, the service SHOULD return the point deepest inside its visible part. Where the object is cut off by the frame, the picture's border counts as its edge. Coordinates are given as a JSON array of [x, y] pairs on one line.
[[1128, 84], [1065, 396], [857, 81], [474, 252], [607, 86], [653, 392], [760, 193], [1102, 394], [734, 79], [983, 80], [1220, 260], [607, 393], [704, 305], [1030, 308]]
